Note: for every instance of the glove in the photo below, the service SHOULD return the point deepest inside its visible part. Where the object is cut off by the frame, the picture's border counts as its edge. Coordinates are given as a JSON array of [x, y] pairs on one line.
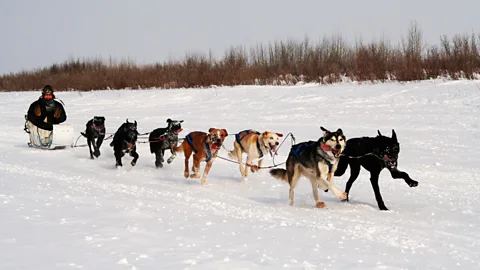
[[57, 113], [38, 111]]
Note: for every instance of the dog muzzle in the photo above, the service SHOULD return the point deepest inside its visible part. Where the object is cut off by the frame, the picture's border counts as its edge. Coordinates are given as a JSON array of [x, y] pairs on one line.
[[336, 152], [392, 163], [272, 149], [215, 146]]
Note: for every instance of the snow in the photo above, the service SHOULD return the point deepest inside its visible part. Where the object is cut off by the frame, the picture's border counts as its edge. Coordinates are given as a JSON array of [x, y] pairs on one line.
[[61, 210]]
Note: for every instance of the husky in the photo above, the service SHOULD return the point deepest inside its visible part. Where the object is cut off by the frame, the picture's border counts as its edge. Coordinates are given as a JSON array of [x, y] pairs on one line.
[[256, 145], [374, 154], [317, 161]]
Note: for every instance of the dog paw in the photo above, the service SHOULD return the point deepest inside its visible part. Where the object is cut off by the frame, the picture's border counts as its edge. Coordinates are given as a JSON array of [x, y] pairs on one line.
[[343, 196], [413, 183], [91, 157], [133, 163], [320, 205], [290, 203], [186, 174], [158, 164], [194, 175], [244, 179], [96, 153], [203, 182], [383, 208], [170, 160]]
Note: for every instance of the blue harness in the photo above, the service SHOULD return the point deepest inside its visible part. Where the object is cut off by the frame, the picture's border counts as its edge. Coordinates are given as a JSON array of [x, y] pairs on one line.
[[239, 138], [207, 147], [297, 151]]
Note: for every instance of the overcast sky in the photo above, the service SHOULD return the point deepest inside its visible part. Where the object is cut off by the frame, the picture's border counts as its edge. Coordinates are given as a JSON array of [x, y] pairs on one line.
[[37, 33]]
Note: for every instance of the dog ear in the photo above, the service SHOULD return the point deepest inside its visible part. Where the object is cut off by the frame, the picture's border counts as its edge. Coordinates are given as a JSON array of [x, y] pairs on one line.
[[225, 132], [265, 134], [340, 131], [379, 134], [127, 121], [279, 134], [181, 121], [169, 120], [394, 135], [325, 131], [135, 122], [210, 130]]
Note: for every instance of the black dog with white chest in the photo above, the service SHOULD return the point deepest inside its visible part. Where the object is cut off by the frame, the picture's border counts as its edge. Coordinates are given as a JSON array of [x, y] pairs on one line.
[[124, 141], [162, 139], [374, 154], [95, 133]]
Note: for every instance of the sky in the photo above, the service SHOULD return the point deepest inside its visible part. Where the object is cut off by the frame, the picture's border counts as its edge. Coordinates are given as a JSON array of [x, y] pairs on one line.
[[38, 33]]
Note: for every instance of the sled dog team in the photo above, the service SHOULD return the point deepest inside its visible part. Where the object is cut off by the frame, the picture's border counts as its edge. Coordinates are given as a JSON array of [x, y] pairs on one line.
[[318, 161]]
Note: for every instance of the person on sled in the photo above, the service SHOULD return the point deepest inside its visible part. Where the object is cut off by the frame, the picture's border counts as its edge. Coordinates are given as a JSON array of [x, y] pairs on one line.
[[42, 115]]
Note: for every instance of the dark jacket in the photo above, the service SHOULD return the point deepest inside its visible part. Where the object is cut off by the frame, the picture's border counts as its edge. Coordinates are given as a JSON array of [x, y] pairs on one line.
[[47, 109]]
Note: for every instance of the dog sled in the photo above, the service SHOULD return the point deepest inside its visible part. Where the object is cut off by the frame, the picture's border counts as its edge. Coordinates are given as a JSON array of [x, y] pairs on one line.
[[60, 137]]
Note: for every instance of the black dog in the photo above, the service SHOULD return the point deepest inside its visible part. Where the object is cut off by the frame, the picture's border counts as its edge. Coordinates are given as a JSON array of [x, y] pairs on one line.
[[95, 133], [374, 154], [162, 139], [124, 141]]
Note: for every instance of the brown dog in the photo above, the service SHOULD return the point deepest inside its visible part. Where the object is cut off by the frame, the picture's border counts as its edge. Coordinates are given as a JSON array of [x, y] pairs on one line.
[[256, 145], [204, 147]]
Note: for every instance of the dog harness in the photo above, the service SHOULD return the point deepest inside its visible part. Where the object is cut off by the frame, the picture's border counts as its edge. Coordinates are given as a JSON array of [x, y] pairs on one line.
[[297, 150], [239, 137], [207, 147], [100, 130]]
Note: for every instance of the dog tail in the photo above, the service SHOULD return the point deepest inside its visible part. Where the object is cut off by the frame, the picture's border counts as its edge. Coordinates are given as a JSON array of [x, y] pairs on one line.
[[178, 148], [83, 134], [232, 155], [342, 166], [280, 174]]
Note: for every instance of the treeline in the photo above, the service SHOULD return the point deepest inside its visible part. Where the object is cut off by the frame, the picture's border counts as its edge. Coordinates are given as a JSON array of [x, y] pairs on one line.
[[282, 62]]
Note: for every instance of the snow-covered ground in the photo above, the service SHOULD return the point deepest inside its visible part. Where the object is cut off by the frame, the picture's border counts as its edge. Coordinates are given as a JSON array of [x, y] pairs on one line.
[[61, 210]]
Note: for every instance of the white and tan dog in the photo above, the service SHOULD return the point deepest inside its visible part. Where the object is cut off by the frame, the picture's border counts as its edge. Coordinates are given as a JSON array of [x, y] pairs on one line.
[[256, 145]]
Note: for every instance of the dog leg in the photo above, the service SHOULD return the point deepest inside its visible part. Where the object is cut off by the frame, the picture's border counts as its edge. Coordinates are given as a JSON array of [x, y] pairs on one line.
[[195, 167], [292, 176], [90, 148], [205, 171], [354, 172], [396, 174], [162, 151], [376, 189], [158, 159], [172, 157], [135, 156], [187, 157], [118, 158], [341, 195], [255, 168], [238, 155], [98, 143], [318, 203], [248, 166]]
